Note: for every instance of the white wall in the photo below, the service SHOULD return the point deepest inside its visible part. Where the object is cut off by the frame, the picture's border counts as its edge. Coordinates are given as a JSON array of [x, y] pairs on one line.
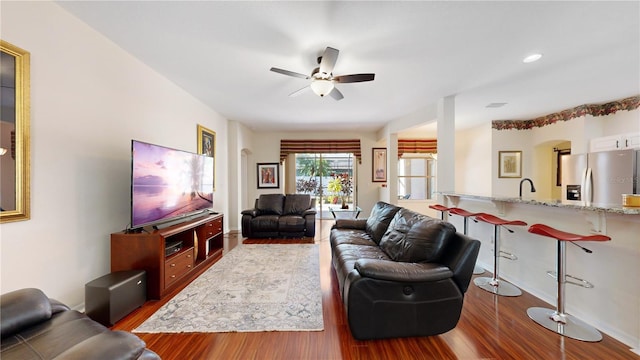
[[89, 98], [473, 161], [619, 123]]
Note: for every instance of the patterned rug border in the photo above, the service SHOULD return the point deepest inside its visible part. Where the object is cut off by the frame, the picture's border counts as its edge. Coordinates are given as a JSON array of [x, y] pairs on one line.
[[201, 308]]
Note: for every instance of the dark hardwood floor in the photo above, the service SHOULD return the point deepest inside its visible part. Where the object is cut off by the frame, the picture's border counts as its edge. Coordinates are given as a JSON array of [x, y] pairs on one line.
[[490, 327]]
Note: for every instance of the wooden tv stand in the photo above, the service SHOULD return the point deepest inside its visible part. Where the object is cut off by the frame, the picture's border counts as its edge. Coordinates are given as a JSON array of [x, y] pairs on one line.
[[202, 245]]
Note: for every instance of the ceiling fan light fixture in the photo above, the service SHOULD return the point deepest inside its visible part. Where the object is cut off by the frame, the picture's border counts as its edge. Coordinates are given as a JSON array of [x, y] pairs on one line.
[[532, 58], [321, 86]]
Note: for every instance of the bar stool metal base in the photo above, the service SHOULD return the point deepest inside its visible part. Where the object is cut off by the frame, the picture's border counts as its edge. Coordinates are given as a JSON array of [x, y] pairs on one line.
[[477, 270], [497, 287], [573, 328]]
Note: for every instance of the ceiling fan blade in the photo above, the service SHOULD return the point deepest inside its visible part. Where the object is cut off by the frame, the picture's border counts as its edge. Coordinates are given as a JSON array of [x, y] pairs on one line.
[[329, 58], [298, 92], [354, 78], [290, 73], [336, 94]]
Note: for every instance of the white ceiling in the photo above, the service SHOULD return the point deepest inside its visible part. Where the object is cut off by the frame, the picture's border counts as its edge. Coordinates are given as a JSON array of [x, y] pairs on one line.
[[221, 53]]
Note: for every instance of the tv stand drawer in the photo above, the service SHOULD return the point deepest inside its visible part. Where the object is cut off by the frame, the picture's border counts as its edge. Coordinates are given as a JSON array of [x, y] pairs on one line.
[[210, 229], [177, 266]]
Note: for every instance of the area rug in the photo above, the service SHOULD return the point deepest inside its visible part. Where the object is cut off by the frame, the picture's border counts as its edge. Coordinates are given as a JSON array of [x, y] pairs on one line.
[[270, 287]]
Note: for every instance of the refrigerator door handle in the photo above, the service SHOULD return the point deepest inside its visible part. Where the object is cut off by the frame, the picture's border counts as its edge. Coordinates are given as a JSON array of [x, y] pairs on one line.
[[588, 187]]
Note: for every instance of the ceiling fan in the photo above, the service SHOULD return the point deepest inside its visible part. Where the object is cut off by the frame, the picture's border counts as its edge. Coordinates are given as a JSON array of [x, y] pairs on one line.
[[322, 79]]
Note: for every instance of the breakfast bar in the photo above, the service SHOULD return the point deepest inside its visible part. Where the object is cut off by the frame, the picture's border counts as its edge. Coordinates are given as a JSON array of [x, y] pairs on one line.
[[613, 303]]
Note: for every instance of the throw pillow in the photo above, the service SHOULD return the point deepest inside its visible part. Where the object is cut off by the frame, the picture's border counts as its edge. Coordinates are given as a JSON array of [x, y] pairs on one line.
[[414, 237]]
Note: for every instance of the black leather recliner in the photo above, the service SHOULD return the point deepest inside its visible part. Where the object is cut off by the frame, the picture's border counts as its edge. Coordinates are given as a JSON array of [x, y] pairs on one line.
[[277, 215], [36, 327], [401, 273]]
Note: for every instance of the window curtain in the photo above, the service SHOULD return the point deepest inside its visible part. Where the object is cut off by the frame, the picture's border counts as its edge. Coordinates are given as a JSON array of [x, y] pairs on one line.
[[320, 146], [417, 146]]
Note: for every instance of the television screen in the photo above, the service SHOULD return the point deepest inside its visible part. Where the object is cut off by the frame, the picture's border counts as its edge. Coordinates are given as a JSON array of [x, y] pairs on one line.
[[167, 184]]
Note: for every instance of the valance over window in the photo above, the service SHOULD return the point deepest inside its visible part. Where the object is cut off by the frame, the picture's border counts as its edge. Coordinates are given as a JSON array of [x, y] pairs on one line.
[[320, 146], [417, 146]]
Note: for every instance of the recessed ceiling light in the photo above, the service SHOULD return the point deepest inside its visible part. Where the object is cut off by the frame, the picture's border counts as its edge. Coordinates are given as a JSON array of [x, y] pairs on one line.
[[496, 105], [531, 58]]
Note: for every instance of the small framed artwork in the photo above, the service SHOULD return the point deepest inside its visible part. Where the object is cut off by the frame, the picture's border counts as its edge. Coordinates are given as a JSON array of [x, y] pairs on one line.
[[379, 167], [268, 175], [207, 146], [509, 164]]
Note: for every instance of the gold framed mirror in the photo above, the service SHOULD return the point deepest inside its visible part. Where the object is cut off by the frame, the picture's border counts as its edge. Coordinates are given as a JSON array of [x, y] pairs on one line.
[[14, 134]]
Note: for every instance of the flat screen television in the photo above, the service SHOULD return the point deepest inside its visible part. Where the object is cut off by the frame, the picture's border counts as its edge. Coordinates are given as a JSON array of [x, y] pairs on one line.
[[168, 184]]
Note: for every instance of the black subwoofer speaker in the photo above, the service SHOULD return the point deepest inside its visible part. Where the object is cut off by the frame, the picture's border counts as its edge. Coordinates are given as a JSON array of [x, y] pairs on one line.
[[109, 298]]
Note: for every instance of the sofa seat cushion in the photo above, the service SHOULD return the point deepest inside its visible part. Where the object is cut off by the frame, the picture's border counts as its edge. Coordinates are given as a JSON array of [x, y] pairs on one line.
[[346, 256], [267, 223], [413, 237], [291, 223], [350, 236], [270, 204], [51, 338], [379, 219]]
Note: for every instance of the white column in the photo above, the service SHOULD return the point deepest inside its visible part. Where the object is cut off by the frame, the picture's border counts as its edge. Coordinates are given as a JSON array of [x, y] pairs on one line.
[[445, 178]]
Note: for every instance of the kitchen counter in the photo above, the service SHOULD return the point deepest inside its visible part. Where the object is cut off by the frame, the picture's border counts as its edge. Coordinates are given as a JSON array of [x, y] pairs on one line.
[[609, 208]]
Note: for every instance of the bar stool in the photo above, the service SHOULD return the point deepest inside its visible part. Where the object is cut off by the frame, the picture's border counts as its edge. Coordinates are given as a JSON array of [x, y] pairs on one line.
[[557, 320], [440, 208], [493, 284], [466, 215]]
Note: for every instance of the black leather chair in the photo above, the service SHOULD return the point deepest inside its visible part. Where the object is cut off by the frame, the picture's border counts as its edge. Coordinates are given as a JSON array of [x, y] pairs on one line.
[[36, 327], [277, 215]]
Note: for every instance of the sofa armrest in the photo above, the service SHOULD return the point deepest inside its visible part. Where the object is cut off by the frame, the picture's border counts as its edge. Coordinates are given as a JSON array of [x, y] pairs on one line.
[[21, 309], [250, 212], [402, 271], [357, 224], [309, 212], [107, 345]]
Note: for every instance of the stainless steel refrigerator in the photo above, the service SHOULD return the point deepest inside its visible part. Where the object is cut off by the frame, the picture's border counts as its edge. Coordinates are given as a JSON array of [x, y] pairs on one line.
[[600, 178]]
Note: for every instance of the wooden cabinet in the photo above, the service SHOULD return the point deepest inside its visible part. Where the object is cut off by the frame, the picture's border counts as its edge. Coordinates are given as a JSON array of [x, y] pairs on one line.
[[202, 244], [615, 142]]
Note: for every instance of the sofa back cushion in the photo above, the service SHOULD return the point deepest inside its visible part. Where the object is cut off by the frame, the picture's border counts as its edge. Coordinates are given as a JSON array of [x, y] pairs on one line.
[[296, 204], [379, 219], [270, 204], [414, 237]]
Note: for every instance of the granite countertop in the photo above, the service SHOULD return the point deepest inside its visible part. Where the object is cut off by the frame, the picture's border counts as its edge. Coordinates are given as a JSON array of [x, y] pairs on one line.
[[610, 208]]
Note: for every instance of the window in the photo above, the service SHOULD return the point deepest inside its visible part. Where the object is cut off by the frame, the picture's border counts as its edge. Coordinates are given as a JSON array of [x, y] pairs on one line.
[[314, 173], [417, 176]]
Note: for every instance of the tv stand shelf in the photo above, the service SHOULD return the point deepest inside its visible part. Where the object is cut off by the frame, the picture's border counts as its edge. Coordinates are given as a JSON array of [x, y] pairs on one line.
[[202, 245]]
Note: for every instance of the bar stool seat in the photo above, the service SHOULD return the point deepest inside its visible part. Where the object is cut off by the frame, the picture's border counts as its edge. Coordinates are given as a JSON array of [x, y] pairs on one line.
[[440, 208], [466, 215], [494, 284], [558, 320]]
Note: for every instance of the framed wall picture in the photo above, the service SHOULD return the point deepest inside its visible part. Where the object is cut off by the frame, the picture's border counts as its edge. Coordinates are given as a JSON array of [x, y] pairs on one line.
[[207, 146], [268, 175], [509, 164], [379, 165]]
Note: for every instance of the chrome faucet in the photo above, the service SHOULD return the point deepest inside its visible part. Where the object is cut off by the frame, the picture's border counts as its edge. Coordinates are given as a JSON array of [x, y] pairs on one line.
[[533, 188]]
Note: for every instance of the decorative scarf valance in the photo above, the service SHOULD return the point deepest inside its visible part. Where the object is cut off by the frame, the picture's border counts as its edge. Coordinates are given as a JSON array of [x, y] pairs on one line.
[[320, 146], [417, 146], [628, 104]]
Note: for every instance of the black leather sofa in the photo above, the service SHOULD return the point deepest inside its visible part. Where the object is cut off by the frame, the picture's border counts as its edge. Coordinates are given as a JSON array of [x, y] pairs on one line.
[[277, 215], [36, 327], [401, 273]]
